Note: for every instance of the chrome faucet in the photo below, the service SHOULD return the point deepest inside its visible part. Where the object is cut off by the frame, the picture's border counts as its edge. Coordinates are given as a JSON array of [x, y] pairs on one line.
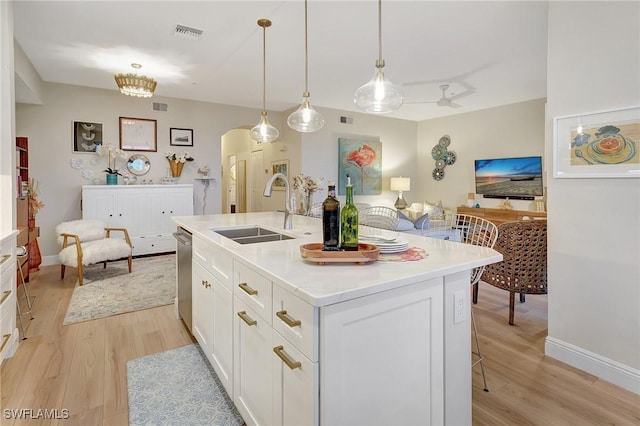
[[288, 211]]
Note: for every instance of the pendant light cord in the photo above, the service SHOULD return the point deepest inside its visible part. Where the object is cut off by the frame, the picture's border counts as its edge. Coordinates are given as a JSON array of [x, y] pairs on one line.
[[264, 69], [380, 30], [306, 54]]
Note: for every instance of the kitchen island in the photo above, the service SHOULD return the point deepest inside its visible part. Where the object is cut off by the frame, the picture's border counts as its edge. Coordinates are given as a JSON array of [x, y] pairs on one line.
[[294, 342]]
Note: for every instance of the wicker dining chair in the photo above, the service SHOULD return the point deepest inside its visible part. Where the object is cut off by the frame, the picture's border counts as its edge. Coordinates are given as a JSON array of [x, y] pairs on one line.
[[523, 270]]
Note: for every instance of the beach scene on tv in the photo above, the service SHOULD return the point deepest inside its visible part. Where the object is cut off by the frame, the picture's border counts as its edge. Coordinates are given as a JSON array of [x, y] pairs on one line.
[[509, 177]]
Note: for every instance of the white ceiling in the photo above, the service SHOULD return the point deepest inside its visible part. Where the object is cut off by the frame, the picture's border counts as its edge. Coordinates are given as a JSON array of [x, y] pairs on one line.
[[498, 49]]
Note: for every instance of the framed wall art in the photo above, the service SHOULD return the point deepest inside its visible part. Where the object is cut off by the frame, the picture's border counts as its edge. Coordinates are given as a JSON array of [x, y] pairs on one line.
[[180, 137], [362, 160], [597, 145], [138, 134], [280, 166], [87, 136]]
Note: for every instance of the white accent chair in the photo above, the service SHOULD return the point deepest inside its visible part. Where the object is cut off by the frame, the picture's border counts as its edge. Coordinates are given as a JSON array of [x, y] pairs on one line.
[[85, 242]]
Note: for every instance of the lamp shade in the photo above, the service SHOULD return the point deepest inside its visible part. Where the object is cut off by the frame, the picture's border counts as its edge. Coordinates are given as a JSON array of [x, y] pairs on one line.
[[400, 184]]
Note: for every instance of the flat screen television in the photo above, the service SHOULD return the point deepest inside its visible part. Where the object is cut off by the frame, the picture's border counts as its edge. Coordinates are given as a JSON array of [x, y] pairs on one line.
[[515, 178]]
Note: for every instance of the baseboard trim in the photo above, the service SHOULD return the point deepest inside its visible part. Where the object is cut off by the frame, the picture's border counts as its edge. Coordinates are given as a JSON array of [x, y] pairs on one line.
[[604, 368]]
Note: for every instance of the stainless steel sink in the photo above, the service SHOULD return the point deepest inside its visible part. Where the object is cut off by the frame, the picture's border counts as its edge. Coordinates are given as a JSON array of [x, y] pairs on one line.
[[252, 235]]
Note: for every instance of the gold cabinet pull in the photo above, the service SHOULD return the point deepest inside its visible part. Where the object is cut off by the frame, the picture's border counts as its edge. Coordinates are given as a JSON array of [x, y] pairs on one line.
[[245, 287], [5, 294], [246, 318], [287, 319], [5, 339], [279, 350]]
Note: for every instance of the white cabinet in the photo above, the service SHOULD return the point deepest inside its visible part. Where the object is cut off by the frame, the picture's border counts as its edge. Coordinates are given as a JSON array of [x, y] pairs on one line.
[[8, 332], [212, 309], [202, 308], [365, 362], [144, 210], [275, 380]]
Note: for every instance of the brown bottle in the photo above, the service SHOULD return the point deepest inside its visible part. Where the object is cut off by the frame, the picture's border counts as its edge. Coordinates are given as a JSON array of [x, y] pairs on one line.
[[331, 220]]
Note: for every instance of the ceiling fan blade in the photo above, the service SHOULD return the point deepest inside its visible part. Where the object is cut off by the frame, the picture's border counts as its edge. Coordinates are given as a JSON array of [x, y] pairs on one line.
[[454, 105], [462, 94], [420, 102]]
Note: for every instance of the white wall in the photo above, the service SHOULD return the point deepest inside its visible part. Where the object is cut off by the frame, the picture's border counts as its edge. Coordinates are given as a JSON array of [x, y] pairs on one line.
[[594, 224], [319, 150], [515, 130], [7, 135], [49, 129]]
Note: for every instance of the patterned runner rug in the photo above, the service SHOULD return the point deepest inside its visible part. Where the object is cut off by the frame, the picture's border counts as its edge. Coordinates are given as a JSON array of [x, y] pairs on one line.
[[113, 291], [178, 387]]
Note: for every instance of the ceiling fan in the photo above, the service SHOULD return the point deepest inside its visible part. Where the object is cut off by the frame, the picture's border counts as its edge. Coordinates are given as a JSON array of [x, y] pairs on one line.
[[444, 100]]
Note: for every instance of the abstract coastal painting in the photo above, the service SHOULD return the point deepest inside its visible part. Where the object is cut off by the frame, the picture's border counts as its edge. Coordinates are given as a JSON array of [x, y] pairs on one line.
[[362, 160]]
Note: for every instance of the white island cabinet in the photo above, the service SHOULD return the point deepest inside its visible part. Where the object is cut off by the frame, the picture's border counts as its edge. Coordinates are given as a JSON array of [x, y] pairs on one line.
[[145, 210], [339, 344]]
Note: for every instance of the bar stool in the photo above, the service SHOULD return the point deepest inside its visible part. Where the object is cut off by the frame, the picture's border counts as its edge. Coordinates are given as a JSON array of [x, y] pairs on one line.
[[21, 253]]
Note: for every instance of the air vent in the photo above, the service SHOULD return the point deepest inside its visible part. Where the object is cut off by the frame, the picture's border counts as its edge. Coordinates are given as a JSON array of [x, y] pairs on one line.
[[346, 120], [157, 106], [187, 32]]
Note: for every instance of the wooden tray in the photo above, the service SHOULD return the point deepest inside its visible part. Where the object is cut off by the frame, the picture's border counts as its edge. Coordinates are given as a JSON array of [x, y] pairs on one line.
[[313, 253]]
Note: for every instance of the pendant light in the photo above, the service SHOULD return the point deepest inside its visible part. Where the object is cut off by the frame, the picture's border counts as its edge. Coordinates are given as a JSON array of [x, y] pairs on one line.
[[264, 132], [379, 96], [306, 119]]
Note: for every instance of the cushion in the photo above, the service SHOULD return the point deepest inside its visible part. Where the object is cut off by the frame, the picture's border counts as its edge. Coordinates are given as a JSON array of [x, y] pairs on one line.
[[422, 222], [86, 229], [404, 225], [435, 210], [403, 216], [95, 252]]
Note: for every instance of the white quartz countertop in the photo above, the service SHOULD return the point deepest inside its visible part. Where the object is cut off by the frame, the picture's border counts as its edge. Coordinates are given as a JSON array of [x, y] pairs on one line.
[[322, 285]]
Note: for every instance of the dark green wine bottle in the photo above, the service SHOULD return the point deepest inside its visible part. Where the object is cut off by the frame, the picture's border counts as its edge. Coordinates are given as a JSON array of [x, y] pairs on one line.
[[349, 221], [331, 220]]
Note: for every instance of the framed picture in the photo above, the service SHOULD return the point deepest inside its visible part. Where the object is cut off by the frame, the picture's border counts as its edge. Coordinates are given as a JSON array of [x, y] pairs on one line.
[[597, 145], [87, 136], [180, 137], [138, 134], [362, 160], [280, 166]]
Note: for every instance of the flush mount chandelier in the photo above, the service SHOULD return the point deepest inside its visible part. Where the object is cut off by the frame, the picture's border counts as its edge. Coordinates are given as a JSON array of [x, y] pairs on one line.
[[136, 85]]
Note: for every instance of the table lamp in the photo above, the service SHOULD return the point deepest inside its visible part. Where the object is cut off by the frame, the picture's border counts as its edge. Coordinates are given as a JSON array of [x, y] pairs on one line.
[[400, 184]]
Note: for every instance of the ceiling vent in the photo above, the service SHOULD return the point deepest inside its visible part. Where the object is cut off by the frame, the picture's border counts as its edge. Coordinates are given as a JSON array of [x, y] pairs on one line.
[[187, 32], [157, 106]]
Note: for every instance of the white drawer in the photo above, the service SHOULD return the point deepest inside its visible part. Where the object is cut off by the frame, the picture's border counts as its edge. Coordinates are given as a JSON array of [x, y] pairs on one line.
[[213, 259], [297, 321], [153, 244], [6, 325], [253, 289]]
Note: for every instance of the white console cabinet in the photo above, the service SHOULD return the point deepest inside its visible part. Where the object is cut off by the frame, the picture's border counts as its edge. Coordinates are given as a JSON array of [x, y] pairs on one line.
[[145, 210]]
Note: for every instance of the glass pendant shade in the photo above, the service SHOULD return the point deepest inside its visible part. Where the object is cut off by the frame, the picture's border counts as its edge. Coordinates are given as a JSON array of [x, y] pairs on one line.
[[305, 119], [379, 95], [264, 132]]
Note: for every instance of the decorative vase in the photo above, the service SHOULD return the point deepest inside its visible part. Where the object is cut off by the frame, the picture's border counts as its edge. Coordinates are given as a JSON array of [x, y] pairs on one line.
[[305, 203], [176, 168], [31, 222], [112, 178]]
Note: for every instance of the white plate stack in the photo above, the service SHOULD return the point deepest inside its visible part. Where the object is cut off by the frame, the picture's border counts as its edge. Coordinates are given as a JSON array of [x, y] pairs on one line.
[[386, 245]]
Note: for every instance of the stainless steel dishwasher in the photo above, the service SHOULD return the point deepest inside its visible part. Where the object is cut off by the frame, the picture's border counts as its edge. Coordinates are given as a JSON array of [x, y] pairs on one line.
[[183, 251]]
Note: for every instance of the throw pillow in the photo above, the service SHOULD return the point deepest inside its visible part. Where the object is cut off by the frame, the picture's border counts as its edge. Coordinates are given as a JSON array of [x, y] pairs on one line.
[[404, 225], [402, 216], [422, 222], [435, 210]]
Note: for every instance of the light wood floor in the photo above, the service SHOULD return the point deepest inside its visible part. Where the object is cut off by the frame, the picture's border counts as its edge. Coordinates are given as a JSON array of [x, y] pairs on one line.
[[82, 367]]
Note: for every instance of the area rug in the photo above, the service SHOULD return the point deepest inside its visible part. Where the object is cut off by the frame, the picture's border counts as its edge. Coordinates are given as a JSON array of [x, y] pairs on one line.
[[114, 291], [178, 387]]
